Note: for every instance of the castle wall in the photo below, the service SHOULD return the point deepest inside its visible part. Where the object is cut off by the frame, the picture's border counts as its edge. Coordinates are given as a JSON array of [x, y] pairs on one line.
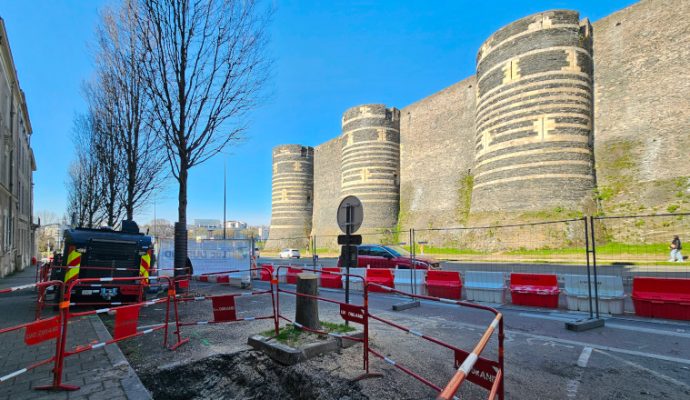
[[370, 167], [533, 122], [436, 152], [326, 192], [292, 196], [642, 108]]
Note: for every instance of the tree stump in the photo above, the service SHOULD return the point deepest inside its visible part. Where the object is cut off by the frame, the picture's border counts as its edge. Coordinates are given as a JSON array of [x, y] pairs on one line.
[[307, 309]]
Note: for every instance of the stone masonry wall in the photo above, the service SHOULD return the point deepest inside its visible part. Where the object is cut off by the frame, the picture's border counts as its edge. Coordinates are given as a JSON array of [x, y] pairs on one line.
[[292, 196], [534, 111], [437, 138], [642, 107], [326, 192], [639, 131]]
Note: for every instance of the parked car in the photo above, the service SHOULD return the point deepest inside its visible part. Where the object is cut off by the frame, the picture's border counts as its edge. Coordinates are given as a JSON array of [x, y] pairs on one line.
[[379, 256], [289, 253]]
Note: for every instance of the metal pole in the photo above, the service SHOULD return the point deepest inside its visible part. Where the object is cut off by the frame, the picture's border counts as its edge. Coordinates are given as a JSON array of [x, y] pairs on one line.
[[225, 199], [413, 266], [589, 278], [594, 265], [348, 232]]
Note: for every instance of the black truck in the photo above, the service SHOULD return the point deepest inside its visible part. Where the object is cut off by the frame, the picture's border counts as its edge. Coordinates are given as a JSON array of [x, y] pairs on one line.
[[106, 253]]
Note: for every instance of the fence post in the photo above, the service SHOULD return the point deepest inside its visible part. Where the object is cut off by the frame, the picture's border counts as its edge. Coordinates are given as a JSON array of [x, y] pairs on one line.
[[590, 248], [594, 265], [589, 276]]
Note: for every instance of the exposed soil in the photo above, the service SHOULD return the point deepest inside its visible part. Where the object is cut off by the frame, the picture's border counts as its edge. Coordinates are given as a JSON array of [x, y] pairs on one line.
[[248, 375]]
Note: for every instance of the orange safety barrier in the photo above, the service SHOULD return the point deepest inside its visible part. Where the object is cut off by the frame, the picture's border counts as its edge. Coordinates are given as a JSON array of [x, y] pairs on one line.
[[445, 284], [662, 297], [331, 280], [540, 290], [37, 332], [223, 306], [380, 276], [471, 366], [291, 276], [266, 272], [126, 318]]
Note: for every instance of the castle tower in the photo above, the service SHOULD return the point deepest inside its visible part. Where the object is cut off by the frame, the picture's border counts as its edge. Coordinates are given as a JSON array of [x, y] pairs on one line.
[[533, 148], [292, 196], [370, 167]]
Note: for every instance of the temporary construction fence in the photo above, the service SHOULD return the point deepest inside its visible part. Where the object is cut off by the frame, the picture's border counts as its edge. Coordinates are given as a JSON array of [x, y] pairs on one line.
[[35, 333], [208, 255], [595, 259], [471, 366], [223, 306]]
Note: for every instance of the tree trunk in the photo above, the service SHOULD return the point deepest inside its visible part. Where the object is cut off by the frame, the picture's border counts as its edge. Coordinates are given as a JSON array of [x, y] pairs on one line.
[[181, 225], [307, 309]]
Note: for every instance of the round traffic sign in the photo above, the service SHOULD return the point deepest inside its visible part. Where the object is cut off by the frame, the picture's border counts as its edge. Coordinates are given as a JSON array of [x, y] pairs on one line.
[[350, 213]]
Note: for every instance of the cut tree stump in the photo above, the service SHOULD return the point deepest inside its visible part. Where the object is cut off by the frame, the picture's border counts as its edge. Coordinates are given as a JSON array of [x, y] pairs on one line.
[[307, 309]]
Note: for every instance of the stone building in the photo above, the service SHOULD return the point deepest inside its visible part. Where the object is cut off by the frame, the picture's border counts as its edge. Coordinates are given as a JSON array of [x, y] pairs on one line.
[[17, 164], [563, 118]]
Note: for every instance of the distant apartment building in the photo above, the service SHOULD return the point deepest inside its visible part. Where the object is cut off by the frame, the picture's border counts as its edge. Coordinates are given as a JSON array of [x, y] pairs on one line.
[[207, 224], [235, 225], [17, 164]]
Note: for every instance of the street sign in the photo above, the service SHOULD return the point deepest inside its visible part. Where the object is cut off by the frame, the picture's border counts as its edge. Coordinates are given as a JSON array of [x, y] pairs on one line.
[[350, 239], [350, 214]]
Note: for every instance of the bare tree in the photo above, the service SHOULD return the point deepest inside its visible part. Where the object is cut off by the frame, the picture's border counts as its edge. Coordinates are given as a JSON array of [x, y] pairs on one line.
[[84, 187], [206, 66], [120, 65], [106, 150]]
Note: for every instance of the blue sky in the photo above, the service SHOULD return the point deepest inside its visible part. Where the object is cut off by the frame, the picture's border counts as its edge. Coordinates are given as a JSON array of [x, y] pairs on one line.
[[329, 56]]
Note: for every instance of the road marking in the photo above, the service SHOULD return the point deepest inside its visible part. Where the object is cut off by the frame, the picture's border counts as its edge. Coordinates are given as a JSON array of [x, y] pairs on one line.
[[636, 365], [584, 357], [609, 324], [647, 330], [574, 384]]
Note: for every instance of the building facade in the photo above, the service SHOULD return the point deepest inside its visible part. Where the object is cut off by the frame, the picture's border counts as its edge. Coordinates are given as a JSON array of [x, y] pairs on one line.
[[17, 164]]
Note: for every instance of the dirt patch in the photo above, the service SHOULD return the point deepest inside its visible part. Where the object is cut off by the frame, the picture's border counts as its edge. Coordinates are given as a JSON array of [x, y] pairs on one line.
[[248, 375]]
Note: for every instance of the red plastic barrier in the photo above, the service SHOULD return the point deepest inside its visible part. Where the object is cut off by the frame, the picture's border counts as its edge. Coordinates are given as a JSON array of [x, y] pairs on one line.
[[662, 297], [444, 284], [291, 276], [381, 276], [329, 280], [223, 279], [539, 290], [266, 272]]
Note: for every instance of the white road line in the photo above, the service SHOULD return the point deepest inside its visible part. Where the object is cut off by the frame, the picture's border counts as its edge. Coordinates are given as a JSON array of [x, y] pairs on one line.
[[647, 370], [610, 324], [647, 330], [573, 385], [584, 357]]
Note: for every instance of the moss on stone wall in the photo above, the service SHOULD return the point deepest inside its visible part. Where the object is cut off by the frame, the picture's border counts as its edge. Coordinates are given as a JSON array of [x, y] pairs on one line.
[[465, 186]]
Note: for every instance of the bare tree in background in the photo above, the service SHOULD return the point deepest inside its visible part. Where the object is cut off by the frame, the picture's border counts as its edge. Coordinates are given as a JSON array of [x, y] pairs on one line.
[[206, 66], [106, 150], [120, 64], [84, 187]]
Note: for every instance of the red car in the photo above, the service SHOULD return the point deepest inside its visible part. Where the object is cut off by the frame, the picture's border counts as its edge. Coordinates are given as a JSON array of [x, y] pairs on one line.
[[378, 256]]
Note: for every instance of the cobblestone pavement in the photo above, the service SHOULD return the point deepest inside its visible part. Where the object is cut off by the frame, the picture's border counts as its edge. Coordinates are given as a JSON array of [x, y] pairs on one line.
[[102, 373]]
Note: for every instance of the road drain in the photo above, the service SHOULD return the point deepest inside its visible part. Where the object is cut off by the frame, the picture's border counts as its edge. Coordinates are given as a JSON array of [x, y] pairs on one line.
[[248, 375]]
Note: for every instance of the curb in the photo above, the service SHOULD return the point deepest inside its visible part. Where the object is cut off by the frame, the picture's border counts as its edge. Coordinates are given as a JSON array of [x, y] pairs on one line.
[[131, 384]]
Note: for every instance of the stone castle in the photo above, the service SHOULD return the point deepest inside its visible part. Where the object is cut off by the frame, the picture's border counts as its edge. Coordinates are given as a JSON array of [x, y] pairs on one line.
[[563, 118]]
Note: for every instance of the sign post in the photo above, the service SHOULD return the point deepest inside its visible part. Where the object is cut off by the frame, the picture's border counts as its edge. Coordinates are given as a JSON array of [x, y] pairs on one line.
[[350, 216]]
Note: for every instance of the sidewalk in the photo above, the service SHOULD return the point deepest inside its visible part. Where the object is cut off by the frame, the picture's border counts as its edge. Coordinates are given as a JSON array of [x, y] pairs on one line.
[[102, 373]]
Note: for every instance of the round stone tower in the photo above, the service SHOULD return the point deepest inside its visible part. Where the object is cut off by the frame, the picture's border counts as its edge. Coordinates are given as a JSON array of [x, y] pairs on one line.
[[370, 166], [533, 148], [292, 196]]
